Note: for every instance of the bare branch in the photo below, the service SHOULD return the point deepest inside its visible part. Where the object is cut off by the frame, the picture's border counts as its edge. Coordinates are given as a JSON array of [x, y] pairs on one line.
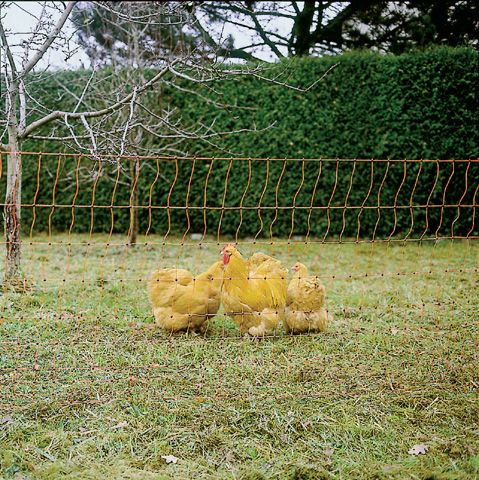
[[97, 113], [128, 121], [233, 53], [87, 85], [50, 39], [8, 52], [245, 72], [62, 138], [23, 105], [144, 19], [92, 136], [72, 132], [262, 33]]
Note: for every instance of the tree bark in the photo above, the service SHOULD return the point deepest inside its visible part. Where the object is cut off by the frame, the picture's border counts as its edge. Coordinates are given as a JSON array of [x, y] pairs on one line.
[[137, 62], [133, 230], [12, 208]]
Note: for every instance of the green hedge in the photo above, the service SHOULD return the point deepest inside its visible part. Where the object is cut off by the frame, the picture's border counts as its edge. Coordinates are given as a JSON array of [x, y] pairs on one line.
[[420, 105]]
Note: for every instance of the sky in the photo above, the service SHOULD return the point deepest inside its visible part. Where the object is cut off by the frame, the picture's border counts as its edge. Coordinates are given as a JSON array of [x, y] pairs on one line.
[[19, 19]]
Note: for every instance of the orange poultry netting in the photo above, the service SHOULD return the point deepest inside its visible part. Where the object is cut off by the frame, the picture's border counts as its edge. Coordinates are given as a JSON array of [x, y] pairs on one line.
[[389, 240]]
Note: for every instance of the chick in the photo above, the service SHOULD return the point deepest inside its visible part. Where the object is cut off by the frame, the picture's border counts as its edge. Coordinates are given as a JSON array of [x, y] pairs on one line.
[[254, 291], [181, 302], [305, 298]]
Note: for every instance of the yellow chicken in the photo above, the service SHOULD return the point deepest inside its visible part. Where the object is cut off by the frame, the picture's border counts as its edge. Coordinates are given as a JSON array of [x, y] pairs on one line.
[[305, 298], [182, 302], [254, 291]]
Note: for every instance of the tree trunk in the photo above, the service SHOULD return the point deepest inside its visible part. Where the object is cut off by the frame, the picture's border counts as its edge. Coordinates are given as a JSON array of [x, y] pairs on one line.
[[12, 208], [133, 230], [136, 63], [302, 28]]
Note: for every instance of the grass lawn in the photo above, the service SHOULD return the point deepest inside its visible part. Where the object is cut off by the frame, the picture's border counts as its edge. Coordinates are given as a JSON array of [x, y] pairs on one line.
[[89, 390]]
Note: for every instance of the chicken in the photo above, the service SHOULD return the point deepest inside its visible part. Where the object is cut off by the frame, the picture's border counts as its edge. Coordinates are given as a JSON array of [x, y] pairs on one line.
[[254, 291], [257, 259], [305, 298], [182, 302]]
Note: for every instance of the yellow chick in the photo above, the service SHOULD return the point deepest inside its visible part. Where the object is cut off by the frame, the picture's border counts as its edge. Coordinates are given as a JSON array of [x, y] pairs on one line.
[[305, 298], [182, 302], [254, 291]]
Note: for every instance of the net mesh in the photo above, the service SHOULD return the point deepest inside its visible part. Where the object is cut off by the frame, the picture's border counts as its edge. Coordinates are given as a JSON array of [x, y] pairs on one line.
[[391, 241]]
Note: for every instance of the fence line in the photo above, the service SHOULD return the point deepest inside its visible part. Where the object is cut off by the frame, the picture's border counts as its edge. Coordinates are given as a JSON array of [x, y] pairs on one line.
[[331, 204], [391, 240], [236, 158]]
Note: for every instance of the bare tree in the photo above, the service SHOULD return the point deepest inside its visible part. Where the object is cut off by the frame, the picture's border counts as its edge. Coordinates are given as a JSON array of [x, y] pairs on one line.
[[108, 113], [110, 38]]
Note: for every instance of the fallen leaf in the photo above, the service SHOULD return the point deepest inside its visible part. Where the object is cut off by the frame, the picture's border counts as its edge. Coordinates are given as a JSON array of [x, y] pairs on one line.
[[420, 449], [6, 420], [170, 458], [306, 424], [328, 452]]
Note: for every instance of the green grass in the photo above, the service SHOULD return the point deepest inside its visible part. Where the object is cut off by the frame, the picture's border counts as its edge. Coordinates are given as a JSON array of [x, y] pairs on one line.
[[89, 390]]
